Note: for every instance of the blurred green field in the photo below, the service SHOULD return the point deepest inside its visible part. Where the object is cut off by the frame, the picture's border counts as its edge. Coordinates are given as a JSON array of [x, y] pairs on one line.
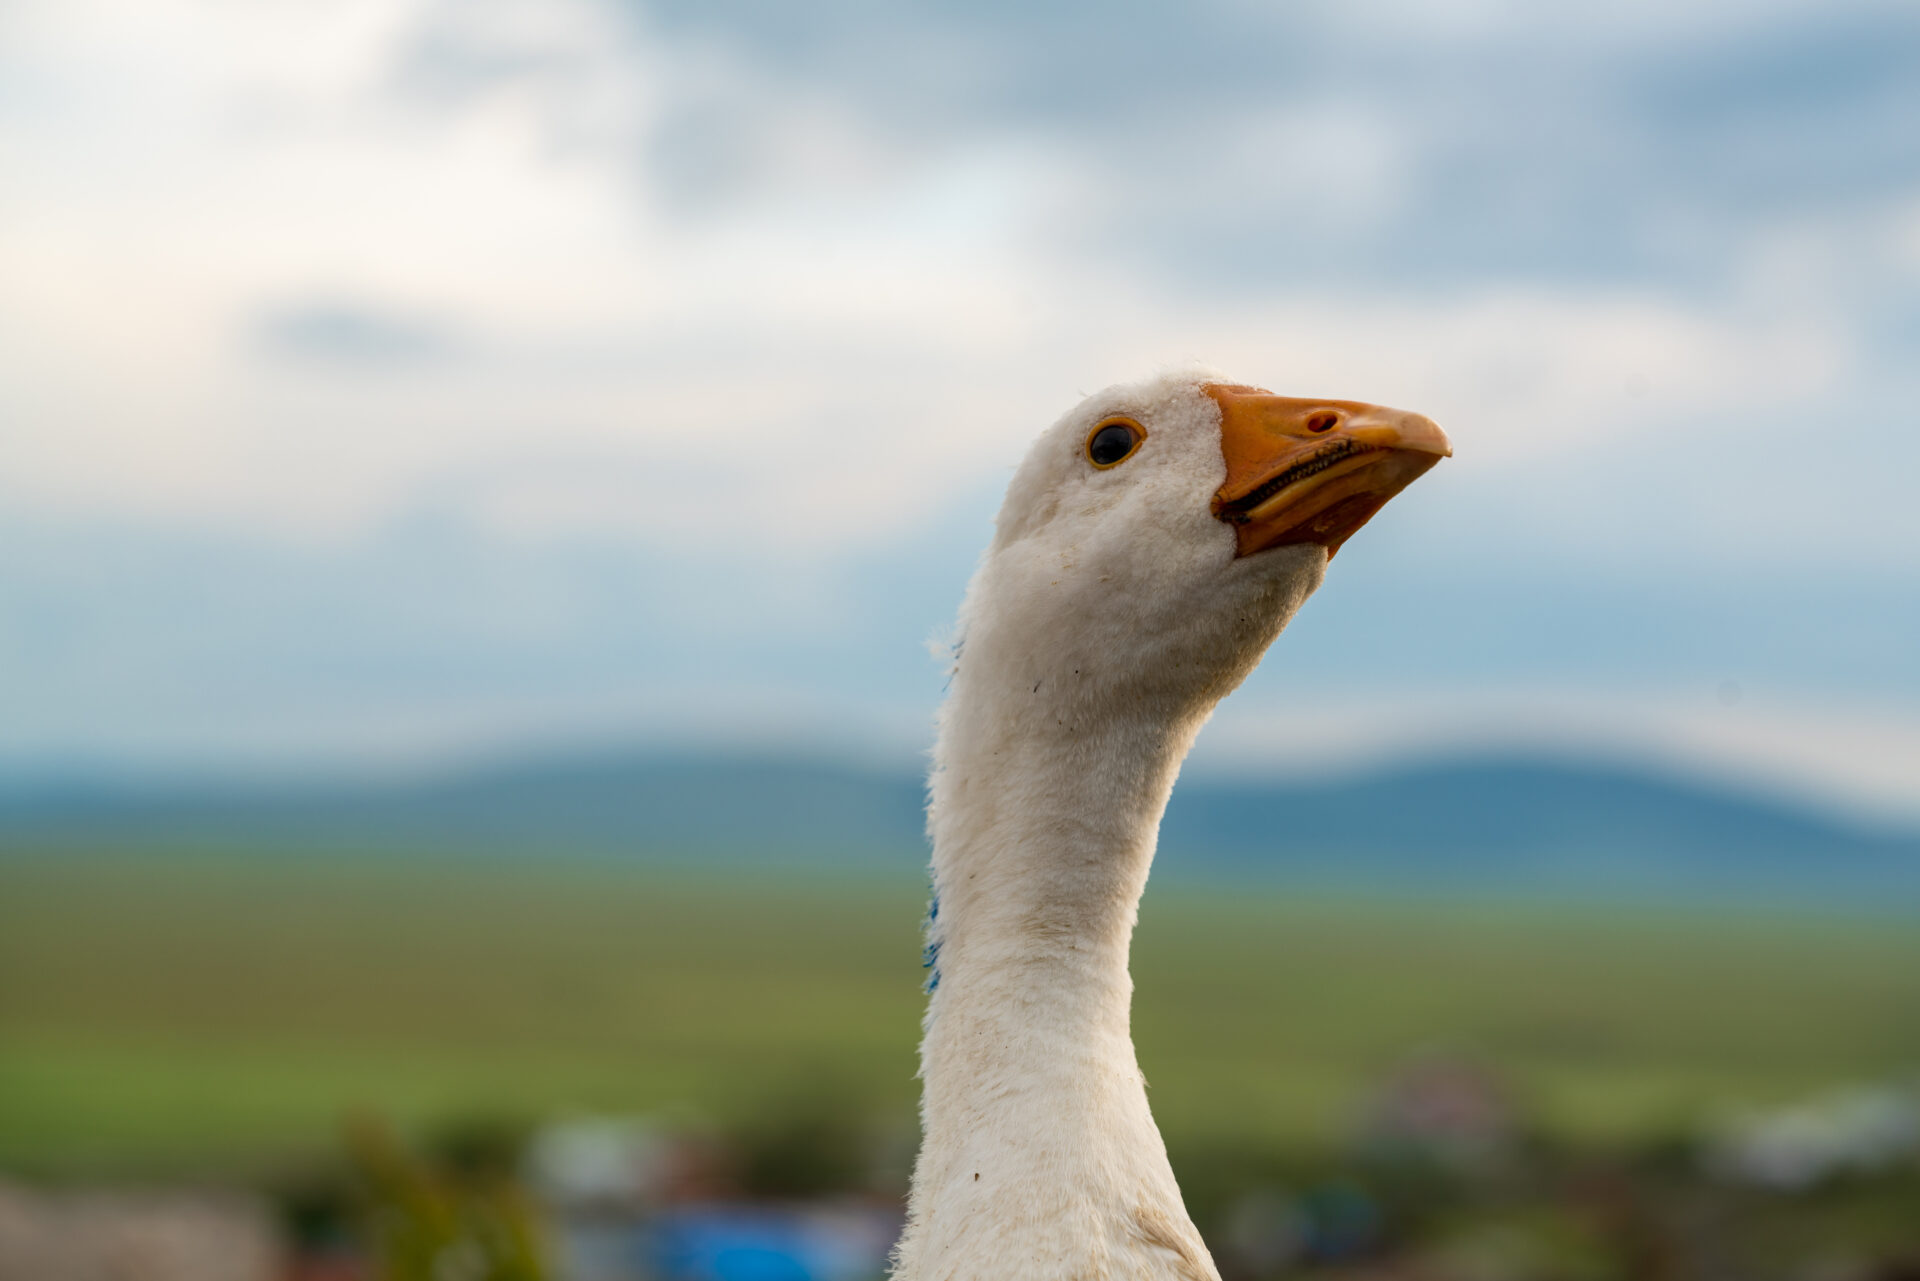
[[179, 1012]]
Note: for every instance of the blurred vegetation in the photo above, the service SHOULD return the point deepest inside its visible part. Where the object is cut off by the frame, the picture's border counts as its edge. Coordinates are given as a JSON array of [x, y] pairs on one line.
[[1643, 1212], [449, 1207], [200, 1011], [463, 1217], [814, 1138], [220, 1014]]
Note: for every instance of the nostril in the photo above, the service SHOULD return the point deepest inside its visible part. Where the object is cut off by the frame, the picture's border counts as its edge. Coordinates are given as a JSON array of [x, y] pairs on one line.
[[1323, 421]]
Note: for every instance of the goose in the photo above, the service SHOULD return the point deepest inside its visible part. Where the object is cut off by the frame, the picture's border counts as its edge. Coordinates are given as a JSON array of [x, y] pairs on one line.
[[1151, 546]]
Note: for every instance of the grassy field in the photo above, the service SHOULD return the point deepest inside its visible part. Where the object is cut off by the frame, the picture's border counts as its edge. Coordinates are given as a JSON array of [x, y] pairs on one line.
[[180, 1012]]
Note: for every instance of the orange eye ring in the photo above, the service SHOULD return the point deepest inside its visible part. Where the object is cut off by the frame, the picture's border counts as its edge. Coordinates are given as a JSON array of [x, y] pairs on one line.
[[1113, 440]]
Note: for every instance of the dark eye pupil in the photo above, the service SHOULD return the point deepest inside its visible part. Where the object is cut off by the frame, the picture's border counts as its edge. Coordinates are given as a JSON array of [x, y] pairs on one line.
[[1110, 444]]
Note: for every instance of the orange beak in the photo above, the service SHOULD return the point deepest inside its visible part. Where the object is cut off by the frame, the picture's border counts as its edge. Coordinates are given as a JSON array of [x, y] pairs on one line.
[[1313, 471]]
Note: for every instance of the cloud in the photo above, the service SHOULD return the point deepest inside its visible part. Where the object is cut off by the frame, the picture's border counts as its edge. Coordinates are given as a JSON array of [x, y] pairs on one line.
[[432, 362], [343, 333], [532, 185], [1585, 142]]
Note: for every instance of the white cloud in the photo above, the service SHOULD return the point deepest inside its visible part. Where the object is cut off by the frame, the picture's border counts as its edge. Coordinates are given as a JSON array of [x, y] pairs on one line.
[[1851, 757], [834, 353], [659, 295]]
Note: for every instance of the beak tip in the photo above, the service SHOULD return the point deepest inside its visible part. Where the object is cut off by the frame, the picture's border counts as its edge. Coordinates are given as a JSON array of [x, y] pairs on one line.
[[1424, 434]]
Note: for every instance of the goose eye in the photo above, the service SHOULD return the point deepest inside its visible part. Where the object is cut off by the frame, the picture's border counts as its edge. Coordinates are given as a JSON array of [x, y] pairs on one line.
[[1113, 442]]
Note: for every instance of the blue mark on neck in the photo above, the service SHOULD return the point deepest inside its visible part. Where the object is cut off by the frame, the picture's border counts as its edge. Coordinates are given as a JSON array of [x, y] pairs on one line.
[[930, 954]]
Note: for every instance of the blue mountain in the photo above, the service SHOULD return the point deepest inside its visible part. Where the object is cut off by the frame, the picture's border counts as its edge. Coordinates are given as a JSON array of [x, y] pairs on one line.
[[1472, 825]]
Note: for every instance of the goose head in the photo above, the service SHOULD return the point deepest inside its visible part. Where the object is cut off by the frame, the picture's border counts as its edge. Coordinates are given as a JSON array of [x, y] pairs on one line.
[[1158, 537]]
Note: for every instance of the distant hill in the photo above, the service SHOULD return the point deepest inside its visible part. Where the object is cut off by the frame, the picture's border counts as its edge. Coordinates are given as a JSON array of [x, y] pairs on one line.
[[1537, 824], [1520, 825]]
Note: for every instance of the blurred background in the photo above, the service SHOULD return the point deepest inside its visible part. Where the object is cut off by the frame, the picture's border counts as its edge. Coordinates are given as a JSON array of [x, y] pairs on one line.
[[482, 490]]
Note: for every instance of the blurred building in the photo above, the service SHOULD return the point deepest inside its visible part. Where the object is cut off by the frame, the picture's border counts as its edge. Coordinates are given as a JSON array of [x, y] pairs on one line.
[[1860, 1132], [1451, 1113], [136, 1236], [635, 1200]]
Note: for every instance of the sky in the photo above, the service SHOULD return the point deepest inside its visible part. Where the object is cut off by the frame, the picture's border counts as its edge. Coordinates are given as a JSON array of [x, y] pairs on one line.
[[385, 383]]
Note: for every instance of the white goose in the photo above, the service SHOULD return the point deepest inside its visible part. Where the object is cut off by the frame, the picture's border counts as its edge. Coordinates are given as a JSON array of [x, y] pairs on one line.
[[1150, 548]]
